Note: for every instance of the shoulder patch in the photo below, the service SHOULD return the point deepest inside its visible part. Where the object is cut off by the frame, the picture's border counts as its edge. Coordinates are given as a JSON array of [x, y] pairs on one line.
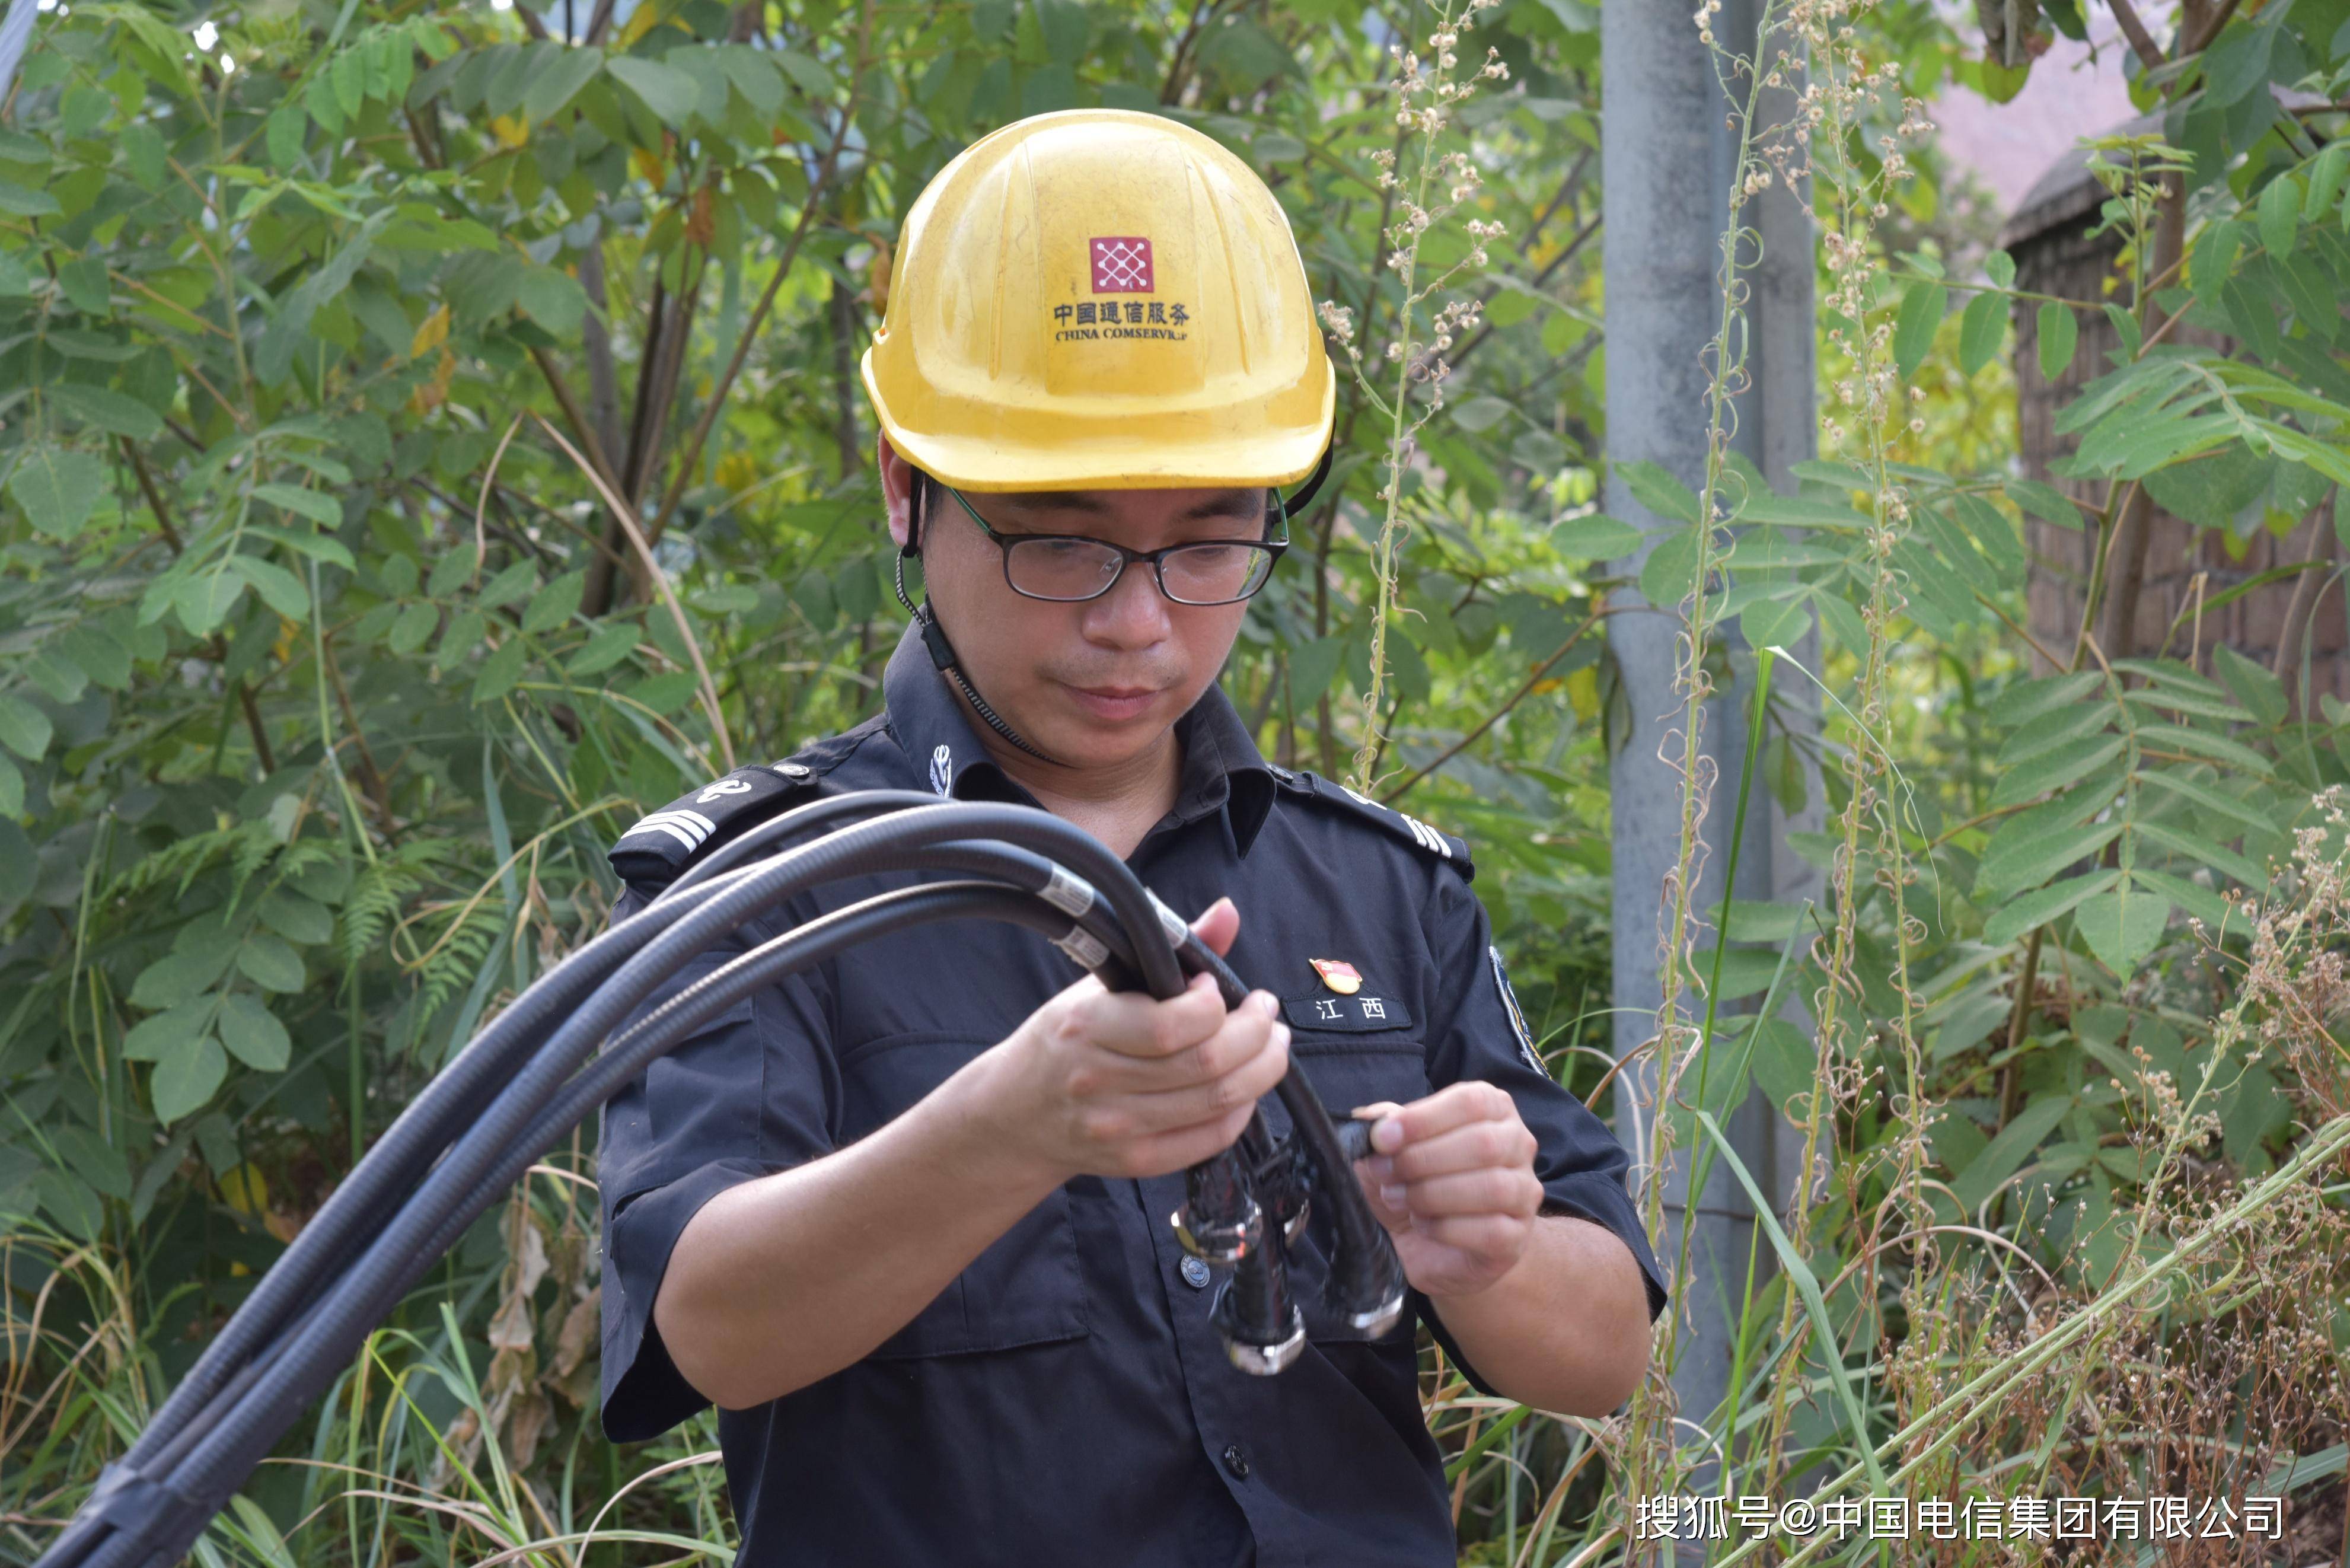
[[1442, 846], [662, 844]]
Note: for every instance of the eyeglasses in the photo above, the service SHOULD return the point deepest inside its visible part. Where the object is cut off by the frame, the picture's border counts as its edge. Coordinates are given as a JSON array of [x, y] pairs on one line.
[[1068, 569]]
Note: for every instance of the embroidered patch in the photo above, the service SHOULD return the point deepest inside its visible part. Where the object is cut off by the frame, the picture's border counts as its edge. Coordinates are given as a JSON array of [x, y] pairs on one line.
[[1517, 1014], [942, 771], [1354, 1014]]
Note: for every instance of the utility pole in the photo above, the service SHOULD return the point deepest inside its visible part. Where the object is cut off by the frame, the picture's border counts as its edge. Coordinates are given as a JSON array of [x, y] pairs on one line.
[[1667, 149]]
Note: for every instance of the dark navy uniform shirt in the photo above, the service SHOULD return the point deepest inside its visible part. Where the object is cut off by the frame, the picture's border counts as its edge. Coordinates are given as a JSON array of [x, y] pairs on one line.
[[1065, 1400]]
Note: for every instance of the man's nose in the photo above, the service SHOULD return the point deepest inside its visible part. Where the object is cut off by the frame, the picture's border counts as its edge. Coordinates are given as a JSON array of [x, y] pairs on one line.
[[1133, 614]]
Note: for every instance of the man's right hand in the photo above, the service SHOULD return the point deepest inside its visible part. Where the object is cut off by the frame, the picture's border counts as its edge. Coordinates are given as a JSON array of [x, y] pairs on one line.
[[1096, 1083]]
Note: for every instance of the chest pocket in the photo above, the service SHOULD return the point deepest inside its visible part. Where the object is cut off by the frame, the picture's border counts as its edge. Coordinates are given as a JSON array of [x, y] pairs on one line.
[[1347, 1071], [1026, 1287]]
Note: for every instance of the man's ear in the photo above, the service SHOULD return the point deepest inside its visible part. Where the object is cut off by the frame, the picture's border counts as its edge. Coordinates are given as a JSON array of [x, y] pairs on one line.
[[896, 489]]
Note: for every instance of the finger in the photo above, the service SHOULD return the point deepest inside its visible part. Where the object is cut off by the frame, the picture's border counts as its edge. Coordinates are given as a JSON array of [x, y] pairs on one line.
[[1133, 1025], [1391, 1212], [1479, 1235], [1240, 1035], [1475, 1145], [1168, 1152], [1251, 1077], [1456, 1104], [1218, 925], [1515, 1193]]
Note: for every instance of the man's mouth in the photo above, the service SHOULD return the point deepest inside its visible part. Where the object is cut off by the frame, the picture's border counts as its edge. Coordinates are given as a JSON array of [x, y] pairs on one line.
[[1115, 702]]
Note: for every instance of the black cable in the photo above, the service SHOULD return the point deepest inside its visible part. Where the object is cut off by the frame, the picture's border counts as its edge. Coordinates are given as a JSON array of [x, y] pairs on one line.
[[177, 1476], [634, 1050], [309, 1359]]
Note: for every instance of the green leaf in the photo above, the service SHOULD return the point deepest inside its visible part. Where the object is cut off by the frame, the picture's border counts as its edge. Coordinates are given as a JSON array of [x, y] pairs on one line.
[[57, 488], [60, 677], [1594, 536], [450, 571], [279, 588], [810, 77], [553, 299], [514, 582], [500, 672], [253, 1035], [2005, 1154], [1923, 304], [20, 863], [1982, 327], [555, 604], [184, 972], [2204, 745], [97, 653], [1999, 268], [2044, 501], [1312, 667], [1660, 491], [2019, 916], [172, 1030], [296, 918], [413, 627], [669, 93], [2060, 769], [2259, 689], [1480, 414], [24, 729], [2197, 902], [559, 83], [319, 508], [18, 202], [2203, 852], [110, 411], [2123, 926], [323, 547], [2027, 699], [2209, 798], [2280, 216], [666, 693], [2325, 180], [2213, 258], [2059, 333], [2236, 63], [270, 963], [1670, 574], [606, 647], [2014, 866], [2054, 729], [183, 1081]]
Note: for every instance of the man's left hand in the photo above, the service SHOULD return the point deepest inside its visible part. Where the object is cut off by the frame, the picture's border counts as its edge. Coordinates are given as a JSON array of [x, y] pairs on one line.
[[1453, 1182]]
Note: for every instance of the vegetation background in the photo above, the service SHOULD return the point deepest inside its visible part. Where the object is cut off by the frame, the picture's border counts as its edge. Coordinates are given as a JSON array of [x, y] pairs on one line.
[[430, 438]]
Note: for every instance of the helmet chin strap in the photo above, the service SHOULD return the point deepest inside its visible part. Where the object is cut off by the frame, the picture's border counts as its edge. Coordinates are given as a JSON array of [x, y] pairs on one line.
[[943, 653]]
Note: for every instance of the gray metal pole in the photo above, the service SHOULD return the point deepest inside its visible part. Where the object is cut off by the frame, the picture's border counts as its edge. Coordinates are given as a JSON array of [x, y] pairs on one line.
[[1666, 159]]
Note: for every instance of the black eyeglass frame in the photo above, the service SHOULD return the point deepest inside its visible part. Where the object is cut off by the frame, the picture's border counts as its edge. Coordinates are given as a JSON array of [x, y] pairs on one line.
[[1273, 547]]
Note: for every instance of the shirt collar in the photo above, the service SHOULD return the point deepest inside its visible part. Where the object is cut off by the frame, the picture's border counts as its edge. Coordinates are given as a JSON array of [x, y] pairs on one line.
[[1221, 768]]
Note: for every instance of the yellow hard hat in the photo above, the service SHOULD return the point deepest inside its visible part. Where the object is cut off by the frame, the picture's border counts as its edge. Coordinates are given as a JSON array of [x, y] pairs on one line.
[[1100, 299]]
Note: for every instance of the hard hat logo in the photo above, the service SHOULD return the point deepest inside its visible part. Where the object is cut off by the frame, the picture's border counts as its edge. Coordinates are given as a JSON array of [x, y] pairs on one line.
[[1121, 265]]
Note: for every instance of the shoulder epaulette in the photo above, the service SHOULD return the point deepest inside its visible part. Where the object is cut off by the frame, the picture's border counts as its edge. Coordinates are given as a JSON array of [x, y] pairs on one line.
[[657, 849], [1443, 846]]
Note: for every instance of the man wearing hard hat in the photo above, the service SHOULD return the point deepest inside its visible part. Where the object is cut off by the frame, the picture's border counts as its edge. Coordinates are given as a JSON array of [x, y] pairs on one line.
[[903, 1218]]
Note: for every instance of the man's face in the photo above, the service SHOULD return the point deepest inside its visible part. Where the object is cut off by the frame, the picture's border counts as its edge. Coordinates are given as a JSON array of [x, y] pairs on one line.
[[1094, 684]]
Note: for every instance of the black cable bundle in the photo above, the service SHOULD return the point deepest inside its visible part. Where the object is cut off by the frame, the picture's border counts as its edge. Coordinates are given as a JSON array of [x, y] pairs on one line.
[[522, 1084]]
